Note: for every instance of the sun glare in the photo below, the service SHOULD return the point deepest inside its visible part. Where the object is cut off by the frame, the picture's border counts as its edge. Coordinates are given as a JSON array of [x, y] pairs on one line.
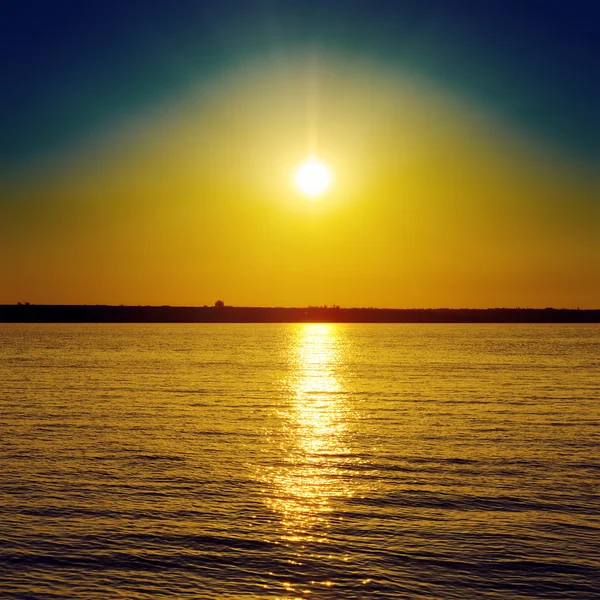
[[312, 177]]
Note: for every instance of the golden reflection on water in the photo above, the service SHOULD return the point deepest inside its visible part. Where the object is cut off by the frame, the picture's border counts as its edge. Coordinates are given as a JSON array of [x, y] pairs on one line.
[[314, 468]]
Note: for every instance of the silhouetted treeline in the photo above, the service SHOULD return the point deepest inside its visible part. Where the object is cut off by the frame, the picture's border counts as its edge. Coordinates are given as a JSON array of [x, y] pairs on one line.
[[29, 313]]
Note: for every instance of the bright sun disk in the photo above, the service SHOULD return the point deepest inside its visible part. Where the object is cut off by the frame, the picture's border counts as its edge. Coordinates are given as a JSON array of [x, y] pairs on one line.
[[312, 177]]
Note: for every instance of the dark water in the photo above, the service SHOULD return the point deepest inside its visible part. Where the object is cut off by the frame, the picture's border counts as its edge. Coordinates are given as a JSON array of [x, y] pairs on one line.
[[299, 461]]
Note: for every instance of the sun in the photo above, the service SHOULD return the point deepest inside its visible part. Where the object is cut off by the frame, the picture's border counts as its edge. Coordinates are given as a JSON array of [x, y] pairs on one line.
[[312, 177]]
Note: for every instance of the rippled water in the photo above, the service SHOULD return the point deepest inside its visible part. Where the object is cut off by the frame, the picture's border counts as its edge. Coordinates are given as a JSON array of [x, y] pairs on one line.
[[299, 461]]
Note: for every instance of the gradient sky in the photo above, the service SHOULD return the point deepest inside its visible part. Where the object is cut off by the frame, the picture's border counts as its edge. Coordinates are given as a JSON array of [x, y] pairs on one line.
[[147, 149]]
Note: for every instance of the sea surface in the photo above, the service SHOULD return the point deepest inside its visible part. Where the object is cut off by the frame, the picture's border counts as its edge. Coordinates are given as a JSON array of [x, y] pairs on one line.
[[299, 461]]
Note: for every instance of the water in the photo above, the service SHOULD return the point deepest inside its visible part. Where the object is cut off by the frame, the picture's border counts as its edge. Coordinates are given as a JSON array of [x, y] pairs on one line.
[[299, 461]]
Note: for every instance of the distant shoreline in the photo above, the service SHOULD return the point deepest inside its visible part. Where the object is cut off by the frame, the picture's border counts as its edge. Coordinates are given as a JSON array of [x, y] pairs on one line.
[[40, 313]]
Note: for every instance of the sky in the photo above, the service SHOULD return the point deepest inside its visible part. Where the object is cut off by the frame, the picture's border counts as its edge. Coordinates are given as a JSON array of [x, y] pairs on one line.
[[147, 152]]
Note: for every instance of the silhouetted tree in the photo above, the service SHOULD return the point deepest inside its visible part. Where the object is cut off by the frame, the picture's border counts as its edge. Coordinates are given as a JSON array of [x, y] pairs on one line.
[[219, 304]]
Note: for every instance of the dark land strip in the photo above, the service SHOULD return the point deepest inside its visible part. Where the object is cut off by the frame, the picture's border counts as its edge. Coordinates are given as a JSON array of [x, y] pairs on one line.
[[39, 313]]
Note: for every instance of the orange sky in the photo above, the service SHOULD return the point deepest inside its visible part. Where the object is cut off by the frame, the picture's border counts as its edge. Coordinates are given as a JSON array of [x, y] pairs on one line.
[[434, 204]]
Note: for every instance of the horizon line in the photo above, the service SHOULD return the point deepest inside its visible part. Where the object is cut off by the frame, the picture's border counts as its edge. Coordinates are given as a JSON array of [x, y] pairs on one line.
[[308, 307]]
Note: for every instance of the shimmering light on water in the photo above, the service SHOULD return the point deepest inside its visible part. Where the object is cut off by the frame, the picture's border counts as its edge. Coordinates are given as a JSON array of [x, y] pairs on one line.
[[313, 426], [309, 460]]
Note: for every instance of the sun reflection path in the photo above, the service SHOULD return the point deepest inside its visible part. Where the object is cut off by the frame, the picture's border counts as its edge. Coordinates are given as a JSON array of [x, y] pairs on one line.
[[317, 462]]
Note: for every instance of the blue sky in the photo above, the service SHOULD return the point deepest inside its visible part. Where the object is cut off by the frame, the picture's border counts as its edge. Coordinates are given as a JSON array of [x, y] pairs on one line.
[[73, 68]]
